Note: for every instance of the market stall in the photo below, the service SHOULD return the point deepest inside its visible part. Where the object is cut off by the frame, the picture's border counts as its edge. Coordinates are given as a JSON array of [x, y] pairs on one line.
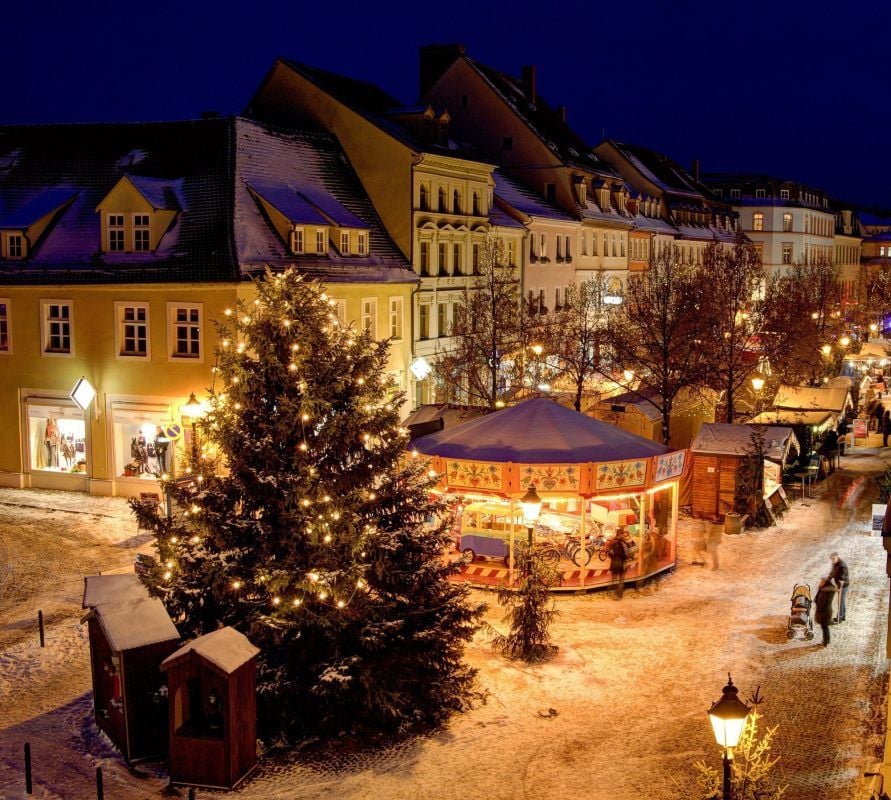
[[594, 479]]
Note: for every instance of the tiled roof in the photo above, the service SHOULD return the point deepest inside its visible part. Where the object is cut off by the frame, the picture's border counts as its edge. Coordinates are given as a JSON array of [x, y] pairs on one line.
[[312, 164], [162, 194], [86, 162], [288, 202], [660, 170], [524, 198], [708, 233], [37, 208], [654, 225]]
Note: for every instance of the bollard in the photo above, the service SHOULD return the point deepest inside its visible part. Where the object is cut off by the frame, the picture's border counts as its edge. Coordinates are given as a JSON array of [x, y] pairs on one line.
[[40, 626], [100, 793], [29, 789]]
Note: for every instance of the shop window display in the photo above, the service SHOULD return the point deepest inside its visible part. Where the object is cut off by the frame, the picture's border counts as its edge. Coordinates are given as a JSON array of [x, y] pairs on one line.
[[58, 440], [143, 449]]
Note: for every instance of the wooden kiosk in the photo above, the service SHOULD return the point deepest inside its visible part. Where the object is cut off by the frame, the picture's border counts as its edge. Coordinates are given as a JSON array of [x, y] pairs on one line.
[[593, 479], [129, 638], [213, 710]]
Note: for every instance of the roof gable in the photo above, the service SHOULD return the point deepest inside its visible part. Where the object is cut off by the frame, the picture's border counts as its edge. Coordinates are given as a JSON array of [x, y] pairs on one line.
[[41, 205]]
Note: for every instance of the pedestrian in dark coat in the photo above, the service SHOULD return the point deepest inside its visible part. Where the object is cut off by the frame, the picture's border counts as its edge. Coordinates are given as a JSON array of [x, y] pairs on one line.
[[886, 428], [618, 555], [840, 580], [823, 608]]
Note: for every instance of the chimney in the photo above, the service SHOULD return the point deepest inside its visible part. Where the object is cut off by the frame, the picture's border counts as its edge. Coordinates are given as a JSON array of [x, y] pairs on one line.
[[529, 83], [561, 112], [435, 60], [696, 170]]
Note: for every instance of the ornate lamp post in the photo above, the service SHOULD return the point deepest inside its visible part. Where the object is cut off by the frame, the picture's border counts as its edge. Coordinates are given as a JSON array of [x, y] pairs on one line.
[[531, 504], [193, 411], [728, 717], [757, 385]]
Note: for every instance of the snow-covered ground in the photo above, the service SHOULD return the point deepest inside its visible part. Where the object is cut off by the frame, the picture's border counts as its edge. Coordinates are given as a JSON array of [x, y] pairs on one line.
[[629, 687]]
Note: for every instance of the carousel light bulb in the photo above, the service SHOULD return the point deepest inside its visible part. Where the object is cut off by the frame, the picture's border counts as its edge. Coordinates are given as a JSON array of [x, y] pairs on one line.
[[168, 575], [305, 417], [327, 538], [174, 539], [276, 601], [236, 584], [313, 576], [323, 595], [297, 601], [340, 604], [227, 312]]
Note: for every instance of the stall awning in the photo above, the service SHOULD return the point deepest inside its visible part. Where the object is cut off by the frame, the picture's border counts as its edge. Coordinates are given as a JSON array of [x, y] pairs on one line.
[[720, 438]]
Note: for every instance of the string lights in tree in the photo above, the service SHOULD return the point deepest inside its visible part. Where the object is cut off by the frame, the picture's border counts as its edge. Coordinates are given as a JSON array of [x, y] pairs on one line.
[[305, 527]]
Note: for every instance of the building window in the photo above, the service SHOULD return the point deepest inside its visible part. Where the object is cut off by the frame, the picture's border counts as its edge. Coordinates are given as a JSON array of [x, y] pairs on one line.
[[512, 253], [441, 259], [476, 204], [442, 319], [321, 243], [507, 143], [758, 221], [344, 243], [442, 200], [115, 233], [142, 233], [57, 320], [456, 259], [784, 194], [787, 221], [734, 192], [543, 245], [476, 259], [133, 329], [424, 264], [559, 248], [297, 246], [787, 252], [184, 330], [362, 245], [369, 315], [551, 192], [395, 317], [58, 438], [425, 200], [5, 344], [424, 321], [456, 202], [15, 245], [760, 193], [340, 311], [718, 192]]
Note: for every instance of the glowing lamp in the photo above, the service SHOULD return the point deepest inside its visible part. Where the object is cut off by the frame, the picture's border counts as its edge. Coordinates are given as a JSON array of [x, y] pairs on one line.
[[826, 349], [537, 349], [192, 409], [757, 383], [873, 327], [612, 299], [844, 341], [628, 375], [420, 368], [83, 394], [531, 505], [728, 716]]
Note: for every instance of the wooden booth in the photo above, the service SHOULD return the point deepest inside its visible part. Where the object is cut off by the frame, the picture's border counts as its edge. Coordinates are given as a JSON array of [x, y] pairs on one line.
[[129, 638], [717, 452], [593, 478], [213, 710]]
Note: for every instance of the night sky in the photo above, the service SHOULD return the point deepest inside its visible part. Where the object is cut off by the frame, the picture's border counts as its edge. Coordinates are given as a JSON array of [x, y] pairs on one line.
[[787, 87]]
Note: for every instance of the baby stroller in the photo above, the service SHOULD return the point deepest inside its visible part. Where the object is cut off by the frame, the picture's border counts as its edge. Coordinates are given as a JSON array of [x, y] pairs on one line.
[[800, 612]]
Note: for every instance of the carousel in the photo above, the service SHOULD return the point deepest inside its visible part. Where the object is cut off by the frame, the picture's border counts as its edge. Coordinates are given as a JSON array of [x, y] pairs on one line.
[[564, 481]]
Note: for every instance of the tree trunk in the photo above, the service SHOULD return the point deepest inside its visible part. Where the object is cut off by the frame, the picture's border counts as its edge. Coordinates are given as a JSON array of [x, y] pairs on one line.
[[730, 401], [578, 395]]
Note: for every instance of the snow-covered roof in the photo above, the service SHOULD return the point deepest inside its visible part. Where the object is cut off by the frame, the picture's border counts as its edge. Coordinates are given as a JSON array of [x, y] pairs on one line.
[[99, 589], [162, 193], [524, 198], [735, 440], [871, 350], [37, 208], [809, 398], [292, 205], [789, 416], [135, 623], [449, 413], [705, 233], [300, 167], [226, 649], [537, 431], [654, 224]]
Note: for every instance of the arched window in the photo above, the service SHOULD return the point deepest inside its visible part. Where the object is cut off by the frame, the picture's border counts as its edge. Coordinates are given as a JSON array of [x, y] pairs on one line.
[[476, 204], [442, 200], [424, 199], [456, 202]]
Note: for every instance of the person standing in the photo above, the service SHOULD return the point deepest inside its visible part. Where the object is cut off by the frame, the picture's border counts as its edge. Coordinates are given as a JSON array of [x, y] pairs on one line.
[[841, 581], [713, 543], [618, 555], [886, 427], [823, 608]]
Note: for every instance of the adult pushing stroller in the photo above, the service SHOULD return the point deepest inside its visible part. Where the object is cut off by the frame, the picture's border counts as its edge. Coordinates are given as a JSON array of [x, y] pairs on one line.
[[800, 612]]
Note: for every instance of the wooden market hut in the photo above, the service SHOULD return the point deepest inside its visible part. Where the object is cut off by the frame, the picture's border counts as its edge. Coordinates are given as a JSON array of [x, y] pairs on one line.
[[213, 710], [716, 454], [592, 477], [128, 641]]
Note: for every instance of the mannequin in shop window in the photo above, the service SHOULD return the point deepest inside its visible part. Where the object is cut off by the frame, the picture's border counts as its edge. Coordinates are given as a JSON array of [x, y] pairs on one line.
[[139, 453], [51, 439], [67, 450], [161, 445]]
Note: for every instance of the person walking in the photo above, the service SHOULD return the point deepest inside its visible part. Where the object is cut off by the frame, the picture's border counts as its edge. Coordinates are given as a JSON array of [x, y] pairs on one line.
[[618, 555], [713, 543], [886, 427], [823, 608], [840, 580]]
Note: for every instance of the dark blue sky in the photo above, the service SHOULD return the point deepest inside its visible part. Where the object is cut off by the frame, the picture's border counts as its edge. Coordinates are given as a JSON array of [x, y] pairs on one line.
[[787, 87]]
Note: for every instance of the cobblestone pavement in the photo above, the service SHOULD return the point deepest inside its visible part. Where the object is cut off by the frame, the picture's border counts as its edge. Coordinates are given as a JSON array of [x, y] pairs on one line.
[[629, 687]]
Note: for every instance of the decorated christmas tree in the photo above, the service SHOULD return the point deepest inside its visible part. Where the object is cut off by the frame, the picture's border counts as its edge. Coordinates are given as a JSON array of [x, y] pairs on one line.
[[310, 532]]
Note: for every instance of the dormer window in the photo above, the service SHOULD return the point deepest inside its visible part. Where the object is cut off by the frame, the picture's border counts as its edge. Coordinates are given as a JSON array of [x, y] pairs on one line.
[[115, 233], [344, 243], [604, 199], [582, 190], [321, 241], [297, 241], [142, 233], [15, 245], [362, 248]]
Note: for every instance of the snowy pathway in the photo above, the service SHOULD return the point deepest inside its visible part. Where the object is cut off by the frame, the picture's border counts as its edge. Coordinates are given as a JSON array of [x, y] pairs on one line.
[[630, 685]]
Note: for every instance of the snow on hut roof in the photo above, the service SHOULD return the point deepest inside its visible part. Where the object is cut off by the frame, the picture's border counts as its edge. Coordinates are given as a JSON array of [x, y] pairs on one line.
[[871, 350], [537, 431], [135, 623], [735, 440], [226, 649], [809, 398], [791, 416], [99, 589]]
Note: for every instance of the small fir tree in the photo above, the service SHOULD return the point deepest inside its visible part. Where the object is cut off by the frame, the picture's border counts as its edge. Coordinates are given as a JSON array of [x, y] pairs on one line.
[[312, 541], [751, 768], [530, 608], [749, 497]]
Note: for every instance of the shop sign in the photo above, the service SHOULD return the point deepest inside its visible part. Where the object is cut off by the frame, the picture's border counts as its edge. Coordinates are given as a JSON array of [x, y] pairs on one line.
[[189, 483], [859, 429], [83, 393]]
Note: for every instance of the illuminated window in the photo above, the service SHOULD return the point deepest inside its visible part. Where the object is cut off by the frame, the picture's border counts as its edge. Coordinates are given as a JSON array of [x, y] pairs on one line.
[[15, 245], [441, 263], [787, 252], [396, 316], [476, 259], [424, 321], [297, 241], [344, 243], [476, 204], [362, 246], [758, 221], [424, 202], [57, 327], [424, 264], [184, 330], [321, 241], [340, 311], [133, 329], [115, 233], [456, 202], [141, 233], [369, 315], [787, 221], [442, 200]]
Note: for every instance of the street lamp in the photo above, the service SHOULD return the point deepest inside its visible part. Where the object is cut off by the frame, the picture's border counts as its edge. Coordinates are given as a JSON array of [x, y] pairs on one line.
[[531, 504], [826, 349], [757, 385], [193, 411], [728, 717], [845, 340]]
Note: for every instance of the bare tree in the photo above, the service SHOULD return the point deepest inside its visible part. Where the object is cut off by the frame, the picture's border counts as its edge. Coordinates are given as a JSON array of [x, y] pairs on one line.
[[573, 338], [659, 331], [734, 316], [485, 331]]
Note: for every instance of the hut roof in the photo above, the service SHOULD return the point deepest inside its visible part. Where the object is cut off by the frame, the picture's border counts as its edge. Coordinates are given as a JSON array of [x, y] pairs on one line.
[[537, 431], [135, 623], [99, 589], [781, 416], [808, 398], [734, 440], [226, 649]]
